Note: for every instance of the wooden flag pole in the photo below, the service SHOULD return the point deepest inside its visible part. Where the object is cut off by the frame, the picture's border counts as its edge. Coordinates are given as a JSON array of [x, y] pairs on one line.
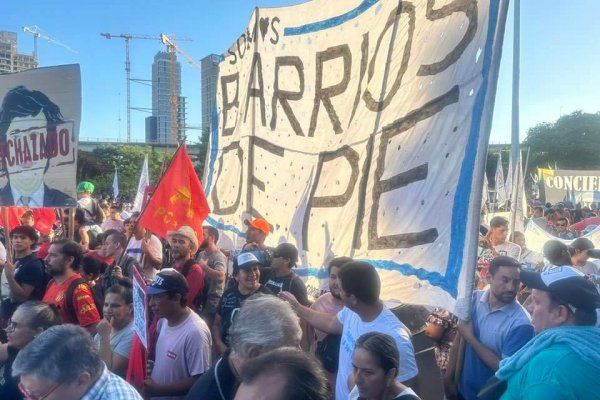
[[7, 240]]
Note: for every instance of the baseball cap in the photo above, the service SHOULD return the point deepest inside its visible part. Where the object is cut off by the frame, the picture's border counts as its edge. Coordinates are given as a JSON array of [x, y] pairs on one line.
[[188, 233], [168, 280], [259, 223], [286, 250], [246, 260], [554, 251], [85, 186], [585, 244], [567, 283]]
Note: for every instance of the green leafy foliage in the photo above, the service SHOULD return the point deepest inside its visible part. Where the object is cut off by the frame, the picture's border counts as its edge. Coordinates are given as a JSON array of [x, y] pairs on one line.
[[99, 165]]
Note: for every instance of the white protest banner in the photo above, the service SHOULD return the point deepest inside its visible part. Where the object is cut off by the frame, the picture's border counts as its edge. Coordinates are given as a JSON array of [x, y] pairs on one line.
[[39, 131], [360, 128], [536, 236], [140, 308]]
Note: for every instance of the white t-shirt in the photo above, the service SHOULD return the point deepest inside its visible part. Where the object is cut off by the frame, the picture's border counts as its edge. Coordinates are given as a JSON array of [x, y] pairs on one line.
[[182, 351], [354, 393], [354, 327], [509, 249]]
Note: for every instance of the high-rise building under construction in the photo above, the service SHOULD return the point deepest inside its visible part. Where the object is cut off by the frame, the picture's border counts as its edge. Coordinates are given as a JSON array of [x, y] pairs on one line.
[[10, 59], [158, 127]]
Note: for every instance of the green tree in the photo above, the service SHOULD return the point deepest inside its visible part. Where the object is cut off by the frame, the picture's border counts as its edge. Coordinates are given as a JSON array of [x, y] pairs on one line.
[[99, 166], [572, 142]]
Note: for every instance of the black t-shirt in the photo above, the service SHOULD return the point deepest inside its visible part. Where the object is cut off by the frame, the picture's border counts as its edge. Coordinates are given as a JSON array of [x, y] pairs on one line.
[[218, 383], [230, 304], [8, 385], [289, 283], [30, 271]]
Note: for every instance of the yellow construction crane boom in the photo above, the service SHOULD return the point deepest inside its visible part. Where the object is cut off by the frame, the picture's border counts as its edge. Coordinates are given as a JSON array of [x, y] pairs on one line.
[[37, 33]]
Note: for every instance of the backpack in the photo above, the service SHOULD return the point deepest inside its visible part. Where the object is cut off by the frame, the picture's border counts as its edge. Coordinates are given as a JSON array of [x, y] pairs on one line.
[[328, 352], [198, 301], [96, 217], [69, 298]]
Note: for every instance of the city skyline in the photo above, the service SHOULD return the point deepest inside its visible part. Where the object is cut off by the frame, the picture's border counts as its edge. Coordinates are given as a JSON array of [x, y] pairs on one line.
[[557, 67]]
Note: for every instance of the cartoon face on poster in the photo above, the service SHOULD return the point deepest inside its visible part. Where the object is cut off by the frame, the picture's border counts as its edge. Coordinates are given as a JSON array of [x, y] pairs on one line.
[[39, 129]]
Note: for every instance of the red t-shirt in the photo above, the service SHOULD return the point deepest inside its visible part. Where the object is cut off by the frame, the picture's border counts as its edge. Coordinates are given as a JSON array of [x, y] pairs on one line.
[[195, 280], [83, 302]]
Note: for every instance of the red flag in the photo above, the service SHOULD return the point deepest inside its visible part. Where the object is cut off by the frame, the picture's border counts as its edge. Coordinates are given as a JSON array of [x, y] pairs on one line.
[[177, 200], [136, 369], [43, 218]]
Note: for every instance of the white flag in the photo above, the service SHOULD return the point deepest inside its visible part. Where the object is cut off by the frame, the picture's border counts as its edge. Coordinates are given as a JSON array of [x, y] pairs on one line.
[[144, 181], [518, 208], [501, 195], [116, 184], [485, 196], [508, 184]]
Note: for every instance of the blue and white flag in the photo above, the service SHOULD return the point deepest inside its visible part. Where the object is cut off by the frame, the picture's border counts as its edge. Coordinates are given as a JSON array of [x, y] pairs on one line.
[[144, 181]]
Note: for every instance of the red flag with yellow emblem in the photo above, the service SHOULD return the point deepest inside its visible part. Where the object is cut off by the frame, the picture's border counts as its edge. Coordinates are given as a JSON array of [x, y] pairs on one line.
[[177, 200]]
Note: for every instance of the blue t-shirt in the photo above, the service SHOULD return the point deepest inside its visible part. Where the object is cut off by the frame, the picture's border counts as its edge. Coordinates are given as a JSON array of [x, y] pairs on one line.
[[503, 331]]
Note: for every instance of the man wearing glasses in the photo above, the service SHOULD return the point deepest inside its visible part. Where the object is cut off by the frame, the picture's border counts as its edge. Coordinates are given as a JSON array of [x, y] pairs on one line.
[[45, 374]]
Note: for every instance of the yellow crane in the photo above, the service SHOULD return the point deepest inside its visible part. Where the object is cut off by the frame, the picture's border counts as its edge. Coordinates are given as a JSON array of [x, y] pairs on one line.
[[36, 32], [127, 37], [172, 49]]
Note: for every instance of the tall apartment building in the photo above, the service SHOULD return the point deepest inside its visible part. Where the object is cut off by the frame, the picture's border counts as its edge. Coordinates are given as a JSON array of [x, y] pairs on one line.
[[10, 59], [209, 73], [161, 100]]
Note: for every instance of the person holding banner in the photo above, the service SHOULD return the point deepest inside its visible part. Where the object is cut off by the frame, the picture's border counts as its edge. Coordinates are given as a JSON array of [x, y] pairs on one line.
[[25, 276], [498, 327], [25, 111], [183, 348], [363, 312]]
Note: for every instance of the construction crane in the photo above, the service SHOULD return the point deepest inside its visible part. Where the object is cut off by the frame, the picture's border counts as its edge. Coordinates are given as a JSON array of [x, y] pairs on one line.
[[128, 37], [37, 33], [172, 48]]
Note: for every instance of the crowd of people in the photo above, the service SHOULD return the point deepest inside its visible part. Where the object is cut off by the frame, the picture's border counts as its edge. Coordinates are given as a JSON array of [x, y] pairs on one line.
[[239, 324]]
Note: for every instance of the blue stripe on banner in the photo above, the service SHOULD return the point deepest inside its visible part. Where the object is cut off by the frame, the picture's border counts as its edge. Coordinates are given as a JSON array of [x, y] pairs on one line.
[[460, 210], [224, 227], [330, 22]]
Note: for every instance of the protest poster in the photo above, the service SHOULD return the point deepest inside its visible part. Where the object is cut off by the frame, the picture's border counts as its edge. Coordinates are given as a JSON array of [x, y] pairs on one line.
[[140, 308], [40, 113], [569, 185], [360, 128]]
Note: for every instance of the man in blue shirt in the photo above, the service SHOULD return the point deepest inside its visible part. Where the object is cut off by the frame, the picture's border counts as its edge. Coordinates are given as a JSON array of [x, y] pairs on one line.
[[499, 326]]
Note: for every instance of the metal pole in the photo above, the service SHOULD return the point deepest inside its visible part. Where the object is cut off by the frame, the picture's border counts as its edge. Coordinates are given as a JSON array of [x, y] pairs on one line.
[[515, 89], [514, 151], [128, 72]]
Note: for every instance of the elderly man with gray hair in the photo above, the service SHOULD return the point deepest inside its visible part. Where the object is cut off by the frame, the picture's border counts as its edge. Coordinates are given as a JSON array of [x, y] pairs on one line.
[[263, 323], [63, 362]]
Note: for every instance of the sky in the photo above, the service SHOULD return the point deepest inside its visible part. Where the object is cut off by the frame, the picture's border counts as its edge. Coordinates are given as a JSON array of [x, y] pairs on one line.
[[559, 55]]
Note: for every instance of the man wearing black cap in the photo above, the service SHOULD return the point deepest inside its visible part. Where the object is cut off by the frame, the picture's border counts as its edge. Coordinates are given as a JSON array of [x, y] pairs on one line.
[[499, 327], [184, 342], [281, 277], [581, 250], [563, 360]]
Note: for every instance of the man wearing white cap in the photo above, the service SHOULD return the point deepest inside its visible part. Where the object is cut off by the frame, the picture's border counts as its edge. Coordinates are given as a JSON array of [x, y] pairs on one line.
[[563, 360], [184, 244]]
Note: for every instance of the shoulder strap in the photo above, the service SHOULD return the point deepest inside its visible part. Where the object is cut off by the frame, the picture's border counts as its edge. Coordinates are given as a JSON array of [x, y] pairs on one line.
[[187, 266], [69, 297], [292, 277]]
